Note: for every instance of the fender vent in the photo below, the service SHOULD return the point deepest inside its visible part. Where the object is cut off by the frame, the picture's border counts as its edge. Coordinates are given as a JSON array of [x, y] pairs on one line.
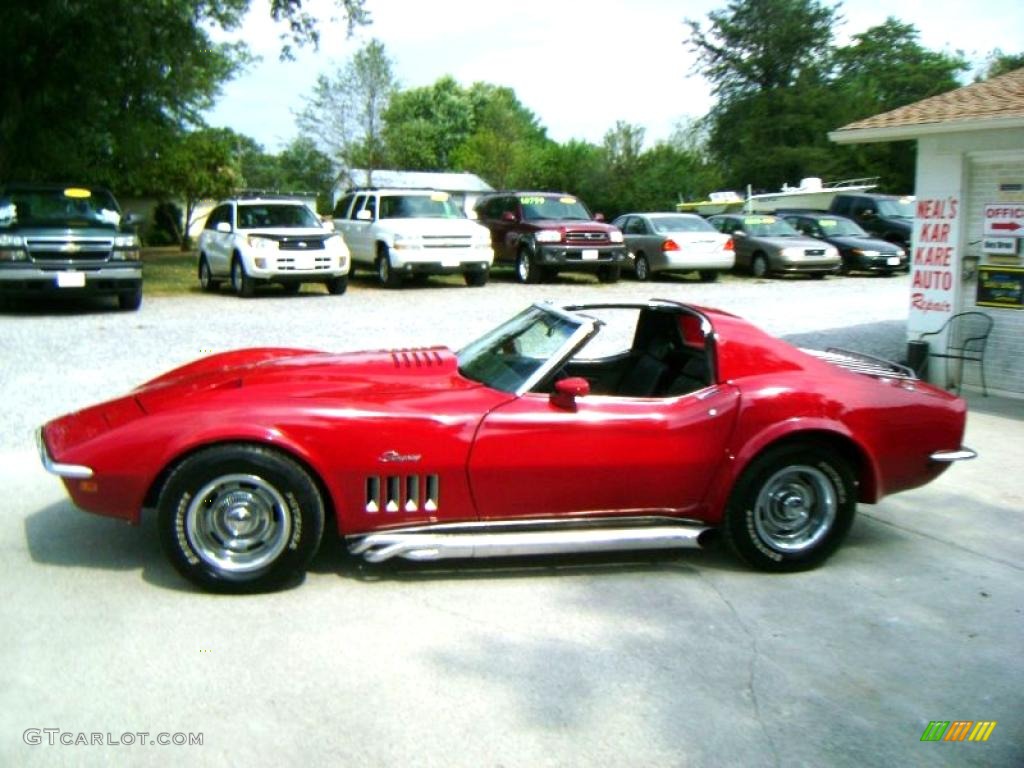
[[393, 494], [416, 358]]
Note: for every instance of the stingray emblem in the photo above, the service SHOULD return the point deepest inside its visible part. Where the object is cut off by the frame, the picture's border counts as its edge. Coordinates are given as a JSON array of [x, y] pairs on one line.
[[394, 457]]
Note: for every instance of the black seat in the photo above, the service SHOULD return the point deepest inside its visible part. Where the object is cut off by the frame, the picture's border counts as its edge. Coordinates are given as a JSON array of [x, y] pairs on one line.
[[644, 377], [966, 336]]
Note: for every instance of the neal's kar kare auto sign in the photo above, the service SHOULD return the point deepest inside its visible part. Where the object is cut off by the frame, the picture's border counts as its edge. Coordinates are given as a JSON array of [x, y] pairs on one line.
[[935, 259]]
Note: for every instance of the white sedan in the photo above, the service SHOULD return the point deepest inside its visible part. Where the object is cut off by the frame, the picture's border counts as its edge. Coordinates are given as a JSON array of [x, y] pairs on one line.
[[675, 242]]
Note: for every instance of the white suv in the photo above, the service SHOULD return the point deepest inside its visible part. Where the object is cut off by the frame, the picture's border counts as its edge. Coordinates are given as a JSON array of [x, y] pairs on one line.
[[405, 232], [256, 240]]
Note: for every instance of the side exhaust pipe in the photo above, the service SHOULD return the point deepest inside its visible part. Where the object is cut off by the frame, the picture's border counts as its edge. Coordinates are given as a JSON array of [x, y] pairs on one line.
[[424, 544]]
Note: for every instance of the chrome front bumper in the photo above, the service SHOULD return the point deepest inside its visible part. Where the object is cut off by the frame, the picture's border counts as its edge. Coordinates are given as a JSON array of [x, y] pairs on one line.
[[73, 471]]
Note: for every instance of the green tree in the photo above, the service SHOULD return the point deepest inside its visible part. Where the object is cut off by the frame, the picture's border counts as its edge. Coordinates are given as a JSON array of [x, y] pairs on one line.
[[507, 144], [999, 63], [768, 62], [201, 164], [883, 68], [344, 114], [759, 45], [423, 126], [93, 89]]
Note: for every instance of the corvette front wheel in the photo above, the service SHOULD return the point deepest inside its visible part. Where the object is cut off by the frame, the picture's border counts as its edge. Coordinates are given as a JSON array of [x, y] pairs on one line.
[[240, 518], [791, 508]]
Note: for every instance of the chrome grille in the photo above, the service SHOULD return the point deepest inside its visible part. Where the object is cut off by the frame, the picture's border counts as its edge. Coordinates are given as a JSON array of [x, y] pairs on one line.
[[447, 241], [585, 237], [44, 250]]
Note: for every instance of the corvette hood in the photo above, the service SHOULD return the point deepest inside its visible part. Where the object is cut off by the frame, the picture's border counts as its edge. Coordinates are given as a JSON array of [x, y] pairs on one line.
[[305, 373]]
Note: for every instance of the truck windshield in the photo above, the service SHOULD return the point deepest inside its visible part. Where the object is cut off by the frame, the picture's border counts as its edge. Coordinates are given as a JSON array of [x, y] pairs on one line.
[[897, 209], [63, 208], [540, 207]]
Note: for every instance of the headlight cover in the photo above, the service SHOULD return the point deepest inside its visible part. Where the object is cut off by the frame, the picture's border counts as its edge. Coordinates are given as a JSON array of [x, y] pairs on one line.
[[616, 236], [12, 248], [548, 236]]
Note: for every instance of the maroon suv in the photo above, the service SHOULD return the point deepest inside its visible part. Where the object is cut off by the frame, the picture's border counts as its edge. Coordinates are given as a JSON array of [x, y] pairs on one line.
[[544, 233]]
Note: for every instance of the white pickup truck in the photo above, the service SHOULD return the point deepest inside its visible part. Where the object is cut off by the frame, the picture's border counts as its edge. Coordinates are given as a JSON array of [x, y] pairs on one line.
[[402, 233]]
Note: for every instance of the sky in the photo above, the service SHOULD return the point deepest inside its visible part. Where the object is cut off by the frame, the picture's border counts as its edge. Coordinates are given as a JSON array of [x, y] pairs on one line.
[[579, 65]]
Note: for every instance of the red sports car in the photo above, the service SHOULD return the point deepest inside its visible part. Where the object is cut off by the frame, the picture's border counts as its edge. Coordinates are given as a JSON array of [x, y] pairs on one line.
[[581, 428]]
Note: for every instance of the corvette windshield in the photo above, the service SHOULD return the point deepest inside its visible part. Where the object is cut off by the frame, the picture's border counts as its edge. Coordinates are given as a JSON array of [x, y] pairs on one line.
[[514, 353]]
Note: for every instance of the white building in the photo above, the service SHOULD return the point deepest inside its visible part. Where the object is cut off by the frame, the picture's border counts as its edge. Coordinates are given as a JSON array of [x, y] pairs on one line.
[[968, 241]]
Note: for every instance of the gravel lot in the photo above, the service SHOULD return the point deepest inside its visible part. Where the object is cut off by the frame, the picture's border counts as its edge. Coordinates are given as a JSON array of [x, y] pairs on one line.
[[64, 355], [672, 659]]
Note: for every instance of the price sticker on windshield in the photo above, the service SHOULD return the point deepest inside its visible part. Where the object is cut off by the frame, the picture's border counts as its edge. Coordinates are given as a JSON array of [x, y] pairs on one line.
[[77, 192], [531, 200], [567, 200]]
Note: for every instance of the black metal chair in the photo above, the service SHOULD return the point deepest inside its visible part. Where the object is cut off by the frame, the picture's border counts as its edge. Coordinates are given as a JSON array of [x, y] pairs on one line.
[[966, 336]]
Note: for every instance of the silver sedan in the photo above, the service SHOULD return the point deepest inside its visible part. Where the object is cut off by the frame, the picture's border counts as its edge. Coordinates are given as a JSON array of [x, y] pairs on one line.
[[675, 242]]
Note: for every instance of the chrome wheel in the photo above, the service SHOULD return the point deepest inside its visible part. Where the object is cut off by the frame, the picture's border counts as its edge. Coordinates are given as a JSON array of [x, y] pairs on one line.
[[795, 509], [524, 269], [759, 266], [791, 507], [643, 269], [238, 523]]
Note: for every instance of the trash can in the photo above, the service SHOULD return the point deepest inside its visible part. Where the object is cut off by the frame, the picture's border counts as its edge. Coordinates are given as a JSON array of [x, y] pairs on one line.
[[917, 357]]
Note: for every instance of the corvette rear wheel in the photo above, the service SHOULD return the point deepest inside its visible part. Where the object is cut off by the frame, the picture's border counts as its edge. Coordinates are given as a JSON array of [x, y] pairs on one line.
[[791, 508], [240, 518]]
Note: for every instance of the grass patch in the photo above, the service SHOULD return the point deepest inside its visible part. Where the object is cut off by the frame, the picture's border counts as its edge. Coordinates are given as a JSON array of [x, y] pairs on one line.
[[168, 271]]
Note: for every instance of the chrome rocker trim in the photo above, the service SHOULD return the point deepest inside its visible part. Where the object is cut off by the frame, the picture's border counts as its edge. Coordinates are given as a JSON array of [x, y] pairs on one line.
[[480, 540], [960, 454], [72, 471]]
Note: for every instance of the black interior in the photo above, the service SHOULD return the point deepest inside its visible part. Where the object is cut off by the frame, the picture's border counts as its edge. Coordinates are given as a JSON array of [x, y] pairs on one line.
[[659, 364]]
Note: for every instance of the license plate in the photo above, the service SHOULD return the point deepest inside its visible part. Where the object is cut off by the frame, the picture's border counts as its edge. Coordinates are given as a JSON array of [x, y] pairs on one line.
[[590, 254], [305, 261], [893, 261], [449, 262], [71, 279]]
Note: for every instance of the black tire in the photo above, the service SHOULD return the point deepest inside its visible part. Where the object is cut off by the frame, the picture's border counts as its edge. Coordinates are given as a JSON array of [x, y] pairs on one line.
[[759, 265], [386, 276], [526, 271], [609, 273], [241, 283], [206, 281], [476, 278], [129, 301], [708, 275], [791, 508], [642, 268], [336, 286], [240, 518]]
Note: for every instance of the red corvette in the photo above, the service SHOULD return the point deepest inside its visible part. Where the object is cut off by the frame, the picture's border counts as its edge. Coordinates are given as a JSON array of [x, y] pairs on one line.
[[599, 427]]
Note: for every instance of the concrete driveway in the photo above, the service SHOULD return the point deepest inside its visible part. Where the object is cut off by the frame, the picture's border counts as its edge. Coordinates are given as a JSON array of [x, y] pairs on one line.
[[669, 660]]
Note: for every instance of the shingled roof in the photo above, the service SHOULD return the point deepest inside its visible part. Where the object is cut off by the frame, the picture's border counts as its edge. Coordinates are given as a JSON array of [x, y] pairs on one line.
[[995, 103]]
